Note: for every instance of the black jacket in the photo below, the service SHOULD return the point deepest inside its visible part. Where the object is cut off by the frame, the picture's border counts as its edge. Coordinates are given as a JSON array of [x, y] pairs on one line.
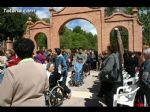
[[54, 78], [144, 76], [108, 64]]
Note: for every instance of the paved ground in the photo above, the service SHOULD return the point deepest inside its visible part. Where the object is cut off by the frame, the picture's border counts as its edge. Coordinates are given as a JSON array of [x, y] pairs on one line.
[[85, 95]]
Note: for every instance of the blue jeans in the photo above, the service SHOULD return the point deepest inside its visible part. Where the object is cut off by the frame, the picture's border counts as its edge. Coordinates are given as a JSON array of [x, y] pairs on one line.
[[77, 76]]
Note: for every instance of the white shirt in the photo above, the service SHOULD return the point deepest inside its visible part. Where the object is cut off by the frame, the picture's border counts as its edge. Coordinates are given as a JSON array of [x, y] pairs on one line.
[[48, 73]]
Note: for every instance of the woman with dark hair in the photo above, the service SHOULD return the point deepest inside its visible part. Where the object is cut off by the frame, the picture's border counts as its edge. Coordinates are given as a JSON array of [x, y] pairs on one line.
[[88, 62], [37, 57], [24, 84], [141, 59], [131, 62]]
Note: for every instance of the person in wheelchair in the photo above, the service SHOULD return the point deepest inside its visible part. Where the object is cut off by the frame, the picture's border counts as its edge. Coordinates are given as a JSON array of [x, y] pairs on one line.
[[78, 69], [53, 75]]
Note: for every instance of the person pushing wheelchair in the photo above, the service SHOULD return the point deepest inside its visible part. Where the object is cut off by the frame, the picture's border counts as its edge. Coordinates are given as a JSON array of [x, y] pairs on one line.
[[78, 67]]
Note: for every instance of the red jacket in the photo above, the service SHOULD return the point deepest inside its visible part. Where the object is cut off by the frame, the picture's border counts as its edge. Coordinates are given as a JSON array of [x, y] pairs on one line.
[[14, 60], [42, 57]]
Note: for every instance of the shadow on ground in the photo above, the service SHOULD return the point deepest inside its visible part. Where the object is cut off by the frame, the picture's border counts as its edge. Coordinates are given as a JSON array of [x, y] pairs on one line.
[[94, 100], [92, 103]]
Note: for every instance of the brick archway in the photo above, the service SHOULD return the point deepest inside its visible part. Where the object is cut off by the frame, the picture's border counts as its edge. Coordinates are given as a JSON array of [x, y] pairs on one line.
[[33, 29], [125, 30], [103, 25], [67, 14], [71, 21], [131, 23], [36, 37]]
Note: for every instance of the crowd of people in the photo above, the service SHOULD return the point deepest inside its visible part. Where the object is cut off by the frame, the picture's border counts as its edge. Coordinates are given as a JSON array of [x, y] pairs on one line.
[[23, 84], [88, 56], [25, 76], [135, 63], [22, 72]]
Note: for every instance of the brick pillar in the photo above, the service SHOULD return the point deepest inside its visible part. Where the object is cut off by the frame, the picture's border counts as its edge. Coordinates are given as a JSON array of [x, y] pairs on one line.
[[100, 50], [4, 45], [28, 23], [137, 32], [9, 43], [51, 40]]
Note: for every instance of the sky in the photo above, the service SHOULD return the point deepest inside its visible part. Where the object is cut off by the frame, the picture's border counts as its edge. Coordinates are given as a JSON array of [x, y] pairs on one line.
[[43, 12]]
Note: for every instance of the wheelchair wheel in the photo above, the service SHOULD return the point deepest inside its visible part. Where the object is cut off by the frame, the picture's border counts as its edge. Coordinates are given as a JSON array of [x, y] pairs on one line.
[[47, 93], [71, 83], [56, 96]]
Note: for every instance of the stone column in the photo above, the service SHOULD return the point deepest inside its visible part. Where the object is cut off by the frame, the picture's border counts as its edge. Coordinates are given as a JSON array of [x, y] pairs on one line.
[[4, 46], [137, 31], [9, 43], [52, 11], [49, 40], [29, 23], [103, 37]]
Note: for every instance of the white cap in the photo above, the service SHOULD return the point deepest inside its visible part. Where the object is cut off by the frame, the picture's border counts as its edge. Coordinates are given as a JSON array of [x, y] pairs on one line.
[[147, 51], [116, 29]]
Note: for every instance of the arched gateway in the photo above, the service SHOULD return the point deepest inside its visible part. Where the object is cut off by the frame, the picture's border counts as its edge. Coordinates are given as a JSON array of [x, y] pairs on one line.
[[103, 25]]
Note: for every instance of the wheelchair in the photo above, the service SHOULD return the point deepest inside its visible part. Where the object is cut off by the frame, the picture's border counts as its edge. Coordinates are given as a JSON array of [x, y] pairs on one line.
[[55, 96], [72, 82]]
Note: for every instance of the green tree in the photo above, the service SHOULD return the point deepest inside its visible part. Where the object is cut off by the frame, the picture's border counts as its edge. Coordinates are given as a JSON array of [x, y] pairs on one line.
[[110, 10], [65, 37], [78, 29], [41, 40], [144, 15], [47, 20], [124, 37], [77, 38], [13, 24]]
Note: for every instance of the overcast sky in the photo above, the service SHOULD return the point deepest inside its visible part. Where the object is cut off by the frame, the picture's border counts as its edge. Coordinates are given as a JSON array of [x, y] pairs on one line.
[[43, 12]]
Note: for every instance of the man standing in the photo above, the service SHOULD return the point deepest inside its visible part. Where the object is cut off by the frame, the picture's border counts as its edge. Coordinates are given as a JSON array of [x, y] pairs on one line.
[[24, 84], [144, 76], [60, 61]]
